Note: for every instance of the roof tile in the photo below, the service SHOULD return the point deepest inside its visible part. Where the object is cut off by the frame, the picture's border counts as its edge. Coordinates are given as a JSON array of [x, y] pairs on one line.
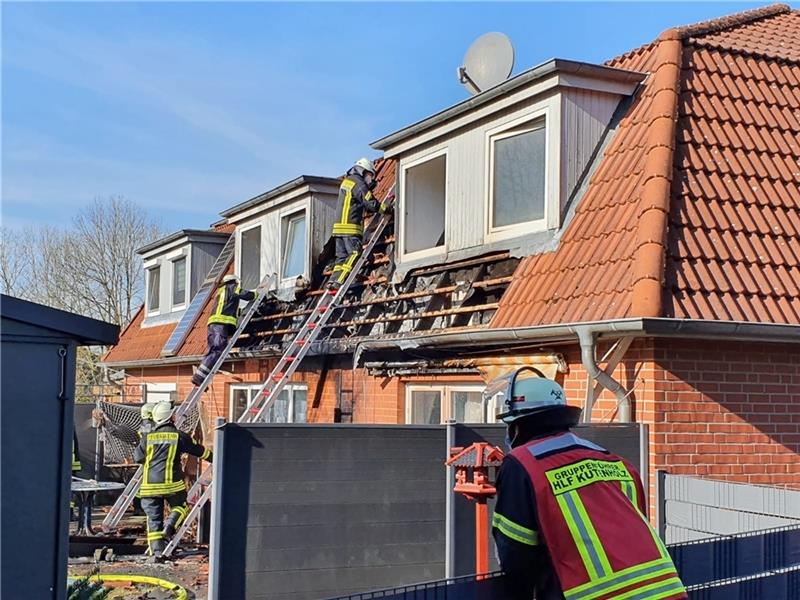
[[733, 234]]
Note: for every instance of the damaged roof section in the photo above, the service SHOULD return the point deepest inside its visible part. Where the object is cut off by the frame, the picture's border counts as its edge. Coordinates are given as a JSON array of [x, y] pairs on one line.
[[461, 294]]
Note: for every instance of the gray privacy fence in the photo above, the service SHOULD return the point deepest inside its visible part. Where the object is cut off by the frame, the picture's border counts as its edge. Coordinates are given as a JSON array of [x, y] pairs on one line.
[[313, 511], [693, 509]]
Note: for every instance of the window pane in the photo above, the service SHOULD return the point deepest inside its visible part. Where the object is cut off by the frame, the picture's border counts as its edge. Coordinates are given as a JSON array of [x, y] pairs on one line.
[[294, 252], [279, 411], [251, 258], [239, 399], [519, 178], [426, 407], [153, 288], [300, 405], [467, 406], [179, 281], [425, 188]]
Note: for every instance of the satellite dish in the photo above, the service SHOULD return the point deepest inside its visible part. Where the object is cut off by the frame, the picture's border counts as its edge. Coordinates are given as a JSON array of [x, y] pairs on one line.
[[488, 62]]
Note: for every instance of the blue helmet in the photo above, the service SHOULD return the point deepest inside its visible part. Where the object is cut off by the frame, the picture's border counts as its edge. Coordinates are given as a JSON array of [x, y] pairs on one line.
[[524, 397]]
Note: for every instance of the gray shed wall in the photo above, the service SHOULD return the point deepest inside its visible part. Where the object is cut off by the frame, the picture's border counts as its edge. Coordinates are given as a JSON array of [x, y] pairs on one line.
[[37, 411]]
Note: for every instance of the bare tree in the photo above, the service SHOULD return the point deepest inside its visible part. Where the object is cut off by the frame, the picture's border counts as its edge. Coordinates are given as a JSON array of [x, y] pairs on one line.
[[104, 242], [15, 260], [91, 268]]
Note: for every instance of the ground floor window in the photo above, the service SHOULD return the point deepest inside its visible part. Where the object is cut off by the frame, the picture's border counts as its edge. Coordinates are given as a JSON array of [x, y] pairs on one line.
[[434, 404], [289, 407]]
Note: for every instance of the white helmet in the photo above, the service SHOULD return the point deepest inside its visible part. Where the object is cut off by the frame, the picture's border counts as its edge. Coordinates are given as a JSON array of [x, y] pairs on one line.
[[366, 164], [147, 410], [229, 278], [162, 412]]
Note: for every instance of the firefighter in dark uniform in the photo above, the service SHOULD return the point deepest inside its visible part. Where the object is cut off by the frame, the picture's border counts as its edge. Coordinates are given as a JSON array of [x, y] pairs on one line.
[[160, 452], [355, 198], [222, 323], [76, 460], [570, 518]]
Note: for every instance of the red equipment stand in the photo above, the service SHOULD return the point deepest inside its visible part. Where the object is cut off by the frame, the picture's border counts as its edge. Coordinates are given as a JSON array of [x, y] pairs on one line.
[[472, 466]]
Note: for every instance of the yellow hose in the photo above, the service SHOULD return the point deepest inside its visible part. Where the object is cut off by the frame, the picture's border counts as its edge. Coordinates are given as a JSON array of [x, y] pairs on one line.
[[180, 592]]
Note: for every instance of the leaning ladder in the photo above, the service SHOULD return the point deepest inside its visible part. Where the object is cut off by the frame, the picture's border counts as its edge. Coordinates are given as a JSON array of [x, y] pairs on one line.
[[279, 377], [124, 501]]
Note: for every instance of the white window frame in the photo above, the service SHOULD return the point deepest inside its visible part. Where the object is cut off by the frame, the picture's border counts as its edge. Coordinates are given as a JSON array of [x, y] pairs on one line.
[[290, 214], [530, 122], [173, 261], [253, 388], [439, 250], [148, 311], [239, 254], [446, 411]]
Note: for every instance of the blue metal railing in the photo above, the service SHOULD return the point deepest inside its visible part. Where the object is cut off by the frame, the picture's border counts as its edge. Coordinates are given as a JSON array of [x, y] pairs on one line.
[[746, 566]]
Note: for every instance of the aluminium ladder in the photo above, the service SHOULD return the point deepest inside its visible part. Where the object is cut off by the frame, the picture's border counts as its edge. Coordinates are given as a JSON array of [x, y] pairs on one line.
[[279, 377], [117, 511]]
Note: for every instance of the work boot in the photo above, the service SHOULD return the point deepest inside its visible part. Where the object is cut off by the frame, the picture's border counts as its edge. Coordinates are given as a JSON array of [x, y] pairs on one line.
[[197, 379]]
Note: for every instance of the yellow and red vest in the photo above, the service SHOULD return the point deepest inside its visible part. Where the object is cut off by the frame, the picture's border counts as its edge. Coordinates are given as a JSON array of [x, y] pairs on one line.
[[591, 508]]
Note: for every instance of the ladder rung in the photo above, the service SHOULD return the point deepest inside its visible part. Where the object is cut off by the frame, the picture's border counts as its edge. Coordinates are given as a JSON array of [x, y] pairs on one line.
[[300, 342], [277, 377], [288, 358], [312, 325]]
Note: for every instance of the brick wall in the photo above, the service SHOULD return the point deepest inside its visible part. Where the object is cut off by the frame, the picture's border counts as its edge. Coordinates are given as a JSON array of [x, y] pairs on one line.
[[723, 410], [729, 410]]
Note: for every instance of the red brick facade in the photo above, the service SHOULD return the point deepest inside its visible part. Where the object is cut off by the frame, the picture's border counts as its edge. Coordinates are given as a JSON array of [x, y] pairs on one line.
[[724, 410]]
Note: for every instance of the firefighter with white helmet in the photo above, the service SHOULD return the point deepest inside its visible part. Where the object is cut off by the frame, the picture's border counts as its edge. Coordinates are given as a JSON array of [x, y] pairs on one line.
[[159, 451], [355, 197], [222, 323], [570, 521]]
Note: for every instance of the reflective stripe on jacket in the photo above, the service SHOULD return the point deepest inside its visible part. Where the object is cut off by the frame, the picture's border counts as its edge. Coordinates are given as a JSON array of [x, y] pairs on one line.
[[226, 308], [160, 452], [591, 518], [355, 197]]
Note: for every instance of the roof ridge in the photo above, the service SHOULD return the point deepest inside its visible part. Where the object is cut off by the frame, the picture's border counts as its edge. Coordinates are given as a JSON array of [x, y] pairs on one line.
[[727, 22], [717, 46], [651, 234]]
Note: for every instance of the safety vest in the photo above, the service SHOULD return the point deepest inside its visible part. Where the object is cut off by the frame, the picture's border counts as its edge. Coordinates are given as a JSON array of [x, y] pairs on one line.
[[226, 310], [591, 514]]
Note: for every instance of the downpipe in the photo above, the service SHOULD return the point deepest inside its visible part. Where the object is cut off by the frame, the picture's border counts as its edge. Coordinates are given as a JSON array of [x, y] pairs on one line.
[[588, 341]]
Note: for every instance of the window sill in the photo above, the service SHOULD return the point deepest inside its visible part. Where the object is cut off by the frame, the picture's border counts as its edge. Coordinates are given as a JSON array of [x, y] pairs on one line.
[[515, 231]]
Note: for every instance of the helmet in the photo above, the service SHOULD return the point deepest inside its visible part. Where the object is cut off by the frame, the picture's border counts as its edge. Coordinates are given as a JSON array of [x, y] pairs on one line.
[[162, 412], [229, 278], [524, 397], [147, 410], [366, 164]]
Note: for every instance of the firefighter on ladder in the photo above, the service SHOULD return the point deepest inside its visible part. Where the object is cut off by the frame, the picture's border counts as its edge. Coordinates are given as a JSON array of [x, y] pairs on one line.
[[355, 197], [570, 519], [159, 451], [222, 323]]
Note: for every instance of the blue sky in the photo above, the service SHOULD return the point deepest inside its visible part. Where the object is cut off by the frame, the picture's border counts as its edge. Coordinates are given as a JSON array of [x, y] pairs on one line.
[[190, 108]]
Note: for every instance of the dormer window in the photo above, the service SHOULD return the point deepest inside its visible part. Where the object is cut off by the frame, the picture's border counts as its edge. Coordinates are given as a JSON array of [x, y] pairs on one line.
[[517, 177], [424, 185], [153, 289], [293, 235], [250, 257], [502, 170], [178, 282]]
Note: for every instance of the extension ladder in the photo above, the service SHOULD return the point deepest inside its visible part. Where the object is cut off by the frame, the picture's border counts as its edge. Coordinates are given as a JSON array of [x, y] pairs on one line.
[[126, 497], [279, 377]]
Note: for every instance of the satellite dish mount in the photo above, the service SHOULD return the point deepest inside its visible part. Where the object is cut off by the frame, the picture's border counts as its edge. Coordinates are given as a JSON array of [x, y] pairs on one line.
[[488, 62]]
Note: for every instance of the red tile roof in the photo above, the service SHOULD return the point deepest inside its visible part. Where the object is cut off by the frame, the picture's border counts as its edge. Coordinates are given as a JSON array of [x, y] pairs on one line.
[[693, 210]]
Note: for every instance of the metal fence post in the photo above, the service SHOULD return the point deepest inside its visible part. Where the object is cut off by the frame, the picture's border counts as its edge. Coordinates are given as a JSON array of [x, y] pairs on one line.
[[216, 508], [661, 503], [450, 508]]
